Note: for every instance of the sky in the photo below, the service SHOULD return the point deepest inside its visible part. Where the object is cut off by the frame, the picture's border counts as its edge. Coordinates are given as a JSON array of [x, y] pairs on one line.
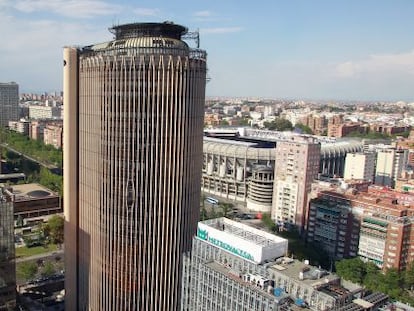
[[296, 49]]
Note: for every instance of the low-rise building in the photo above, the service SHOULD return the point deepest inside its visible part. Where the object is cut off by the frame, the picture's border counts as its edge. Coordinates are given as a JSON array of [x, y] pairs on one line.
[[33, 200], [21, 126]]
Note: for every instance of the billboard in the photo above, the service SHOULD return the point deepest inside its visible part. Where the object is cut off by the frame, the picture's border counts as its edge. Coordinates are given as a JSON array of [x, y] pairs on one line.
[[239, 246]]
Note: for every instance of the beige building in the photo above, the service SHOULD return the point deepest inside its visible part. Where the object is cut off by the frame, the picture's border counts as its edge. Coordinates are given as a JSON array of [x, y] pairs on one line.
[[296, 166], [133, 129], [359, 165], [37, 130], [53, 135]]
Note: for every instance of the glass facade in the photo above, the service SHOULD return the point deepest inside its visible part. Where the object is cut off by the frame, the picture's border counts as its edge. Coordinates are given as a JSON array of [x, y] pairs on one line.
[[7, 253]]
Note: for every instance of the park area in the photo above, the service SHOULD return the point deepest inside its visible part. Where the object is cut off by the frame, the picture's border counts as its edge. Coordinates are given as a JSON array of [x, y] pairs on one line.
[[39, 252]]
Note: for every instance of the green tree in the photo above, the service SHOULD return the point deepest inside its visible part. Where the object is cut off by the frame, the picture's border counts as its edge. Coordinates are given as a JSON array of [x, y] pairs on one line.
[[34, 148], [369, 135], [303, 128], [353, 270], [55, 227], [391, 283], [203, 213], [244, 122], [51, 181], [279, 124], [27, 270], [373, 276], [48, 269], [225, 207], [268, 222], [409, 276]]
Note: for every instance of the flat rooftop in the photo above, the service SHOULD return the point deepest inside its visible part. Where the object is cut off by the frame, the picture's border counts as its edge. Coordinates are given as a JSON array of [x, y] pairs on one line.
[[31, 192], [303, 272], [235, 276], [242, 240], [244, 231]]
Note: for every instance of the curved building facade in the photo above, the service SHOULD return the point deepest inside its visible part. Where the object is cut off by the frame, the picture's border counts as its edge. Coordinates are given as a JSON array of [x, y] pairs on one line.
[[260, 188], [133, 153], [229, 166]]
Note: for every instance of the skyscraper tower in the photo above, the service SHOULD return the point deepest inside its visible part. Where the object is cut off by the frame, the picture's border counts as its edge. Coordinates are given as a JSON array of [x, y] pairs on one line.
[[133, 130], [9, 103]]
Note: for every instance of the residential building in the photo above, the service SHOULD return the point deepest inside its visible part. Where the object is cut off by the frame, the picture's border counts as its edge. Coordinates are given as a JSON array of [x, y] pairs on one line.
[[20, 126], [389, 129], [375, 224], [9, 103], [53, 135], [390, 164], [317, 123], [296, 166], [37, 129], [333, 124], [360, 165], [134, 111]]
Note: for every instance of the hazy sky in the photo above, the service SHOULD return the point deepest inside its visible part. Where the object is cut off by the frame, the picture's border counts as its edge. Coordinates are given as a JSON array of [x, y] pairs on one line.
[[315, 49]]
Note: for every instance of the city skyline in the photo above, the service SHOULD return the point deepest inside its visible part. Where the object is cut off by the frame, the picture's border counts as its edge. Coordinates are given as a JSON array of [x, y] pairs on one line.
[[319, 50]]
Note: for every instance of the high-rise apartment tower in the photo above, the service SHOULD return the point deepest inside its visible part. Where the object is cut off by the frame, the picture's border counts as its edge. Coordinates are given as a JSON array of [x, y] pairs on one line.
[[296, 166], [133, 131], [9, 103]]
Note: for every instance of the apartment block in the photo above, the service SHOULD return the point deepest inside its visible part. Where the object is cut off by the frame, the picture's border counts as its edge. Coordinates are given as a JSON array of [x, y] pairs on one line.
[[53, 135], [359, 165], [375, 225], [296, 166], [37, 130], [21, 126], [390, 164]]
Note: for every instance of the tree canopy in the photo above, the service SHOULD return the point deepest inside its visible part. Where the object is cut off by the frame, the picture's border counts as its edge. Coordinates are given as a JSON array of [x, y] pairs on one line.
[[54, 229], [279, 124], [34, 148], [303, 128], [396, 284]]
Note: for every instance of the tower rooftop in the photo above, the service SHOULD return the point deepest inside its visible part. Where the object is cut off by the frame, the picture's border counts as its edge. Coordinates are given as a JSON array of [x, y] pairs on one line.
[[133, 30]]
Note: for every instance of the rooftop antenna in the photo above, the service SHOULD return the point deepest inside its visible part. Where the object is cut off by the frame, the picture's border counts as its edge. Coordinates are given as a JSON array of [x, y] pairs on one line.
[[193, 35]]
